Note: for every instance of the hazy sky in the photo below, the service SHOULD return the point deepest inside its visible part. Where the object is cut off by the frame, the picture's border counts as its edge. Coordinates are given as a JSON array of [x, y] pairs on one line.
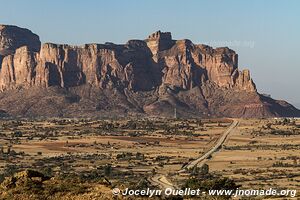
[[265, 33]]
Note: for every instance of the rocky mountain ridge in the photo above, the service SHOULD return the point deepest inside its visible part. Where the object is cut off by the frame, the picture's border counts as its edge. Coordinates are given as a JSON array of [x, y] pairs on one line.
[[142, 77]]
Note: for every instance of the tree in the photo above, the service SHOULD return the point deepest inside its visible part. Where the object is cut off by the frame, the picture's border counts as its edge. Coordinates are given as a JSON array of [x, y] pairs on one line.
[[107, 170], [203, 170], [139, 156], [1, 150], [9, 170], [212, 184], [47, 171], [286, 121], [17, 134]]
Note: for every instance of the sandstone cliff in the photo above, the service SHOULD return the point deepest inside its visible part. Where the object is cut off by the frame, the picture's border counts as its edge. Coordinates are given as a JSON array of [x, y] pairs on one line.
[[151, 76]]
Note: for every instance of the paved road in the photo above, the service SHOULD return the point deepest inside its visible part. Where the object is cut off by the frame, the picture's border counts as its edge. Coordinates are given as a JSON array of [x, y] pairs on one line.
[[161, 181], [201, 160]]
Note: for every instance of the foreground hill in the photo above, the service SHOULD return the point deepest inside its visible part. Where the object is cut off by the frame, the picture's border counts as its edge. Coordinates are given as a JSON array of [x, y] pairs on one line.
[[142, 77]]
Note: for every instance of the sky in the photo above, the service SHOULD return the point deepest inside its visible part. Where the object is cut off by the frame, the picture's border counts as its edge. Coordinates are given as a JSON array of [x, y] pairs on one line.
[[265, 33]]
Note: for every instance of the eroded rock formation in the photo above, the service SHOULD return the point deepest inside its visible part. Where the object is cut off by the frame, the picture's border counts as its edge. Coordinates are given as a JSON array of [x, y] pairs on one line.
[[13, 37], [150, 76]]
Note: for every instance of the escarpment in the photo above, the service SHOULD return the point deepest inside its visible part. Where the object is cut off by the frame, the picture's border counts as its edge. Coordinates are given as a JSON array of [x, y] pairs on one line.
[[142, 77]]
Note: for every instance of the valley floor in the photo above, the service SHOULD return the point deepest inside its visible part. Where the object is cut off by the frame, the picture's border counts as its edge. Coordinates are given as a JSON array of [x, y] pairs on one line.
[[259, 153]]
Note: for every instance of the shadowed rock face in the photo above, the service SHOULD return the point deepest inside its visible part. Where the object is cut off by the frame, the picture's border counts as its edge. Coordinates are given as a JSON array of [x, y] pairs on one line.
[[13, 37], [151, 76]]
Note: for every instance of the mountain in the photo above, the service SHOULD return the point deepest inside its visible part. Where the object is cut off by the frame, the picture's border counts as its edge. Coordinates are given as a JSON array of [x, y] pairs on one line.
[[148, 77], [297, 105]]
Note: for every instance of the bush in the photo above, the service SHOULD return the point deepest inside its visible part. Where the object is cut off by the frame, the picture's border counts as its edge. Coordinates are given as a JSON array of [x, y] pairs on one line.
[[212, 184]]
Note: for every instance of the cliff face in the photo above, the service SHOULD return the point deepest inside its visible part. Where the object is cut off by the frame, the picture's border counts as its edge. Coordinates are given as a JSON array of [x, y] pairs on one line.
[[181, 64], [150, 76], [13, 37]]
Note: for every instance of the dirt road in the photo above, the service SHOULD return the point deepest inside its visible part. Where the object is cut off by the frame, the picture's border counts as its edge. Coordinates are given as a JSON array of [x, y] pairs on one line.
[[201, 160], [161, 180]]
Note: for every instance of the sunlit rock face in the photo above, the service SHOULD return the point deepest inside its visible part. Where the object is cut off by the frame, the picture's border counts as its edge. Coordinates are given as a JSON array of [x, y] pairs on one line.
[[150, 77]]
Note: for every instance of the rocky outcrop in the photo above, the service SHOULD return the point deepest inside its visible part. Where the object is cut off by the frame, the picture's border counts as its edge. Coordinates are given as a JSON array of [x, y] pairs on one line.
[[23, 177], [18, 69], [159, 41], [13, 37], [150, 76], [139, 65]]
